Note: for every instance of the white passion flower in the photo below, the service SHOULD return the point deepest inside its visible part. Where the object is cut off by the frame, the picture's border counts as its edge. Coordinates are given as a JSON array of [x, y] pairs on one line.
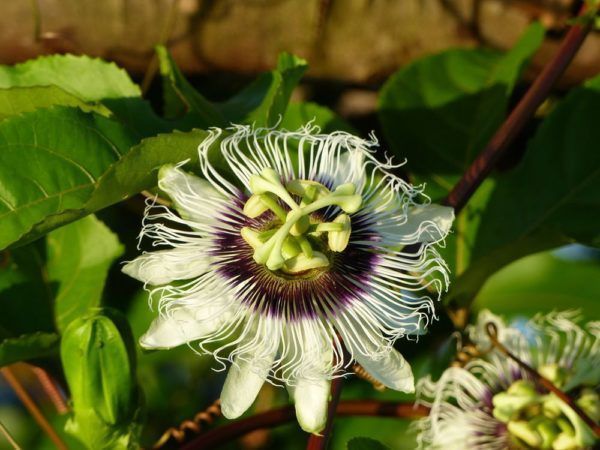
[[290, 244], [493, 403]]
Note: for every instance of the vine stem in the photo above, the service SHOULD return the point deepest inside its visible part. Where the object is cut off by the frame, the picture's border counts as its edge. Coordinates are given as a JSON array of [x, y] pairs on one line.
[[52, 389], [33, 409], [319, 441], [518, 118], [275, 417]]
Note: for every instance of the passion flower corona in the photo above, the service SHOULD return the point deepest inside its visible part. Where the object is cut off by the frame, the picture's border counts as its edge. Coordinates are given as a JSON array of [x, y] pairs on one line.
[[291, 247]]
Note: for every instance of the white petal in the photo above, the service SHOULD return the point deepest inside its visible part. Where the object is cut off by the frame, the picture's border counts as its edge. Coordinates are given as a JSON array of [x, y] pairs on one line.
[[391, 369], [430, 222], [248, 372], [311, 400], [387, 366], [164, 266], [194, 198], [184, 325]]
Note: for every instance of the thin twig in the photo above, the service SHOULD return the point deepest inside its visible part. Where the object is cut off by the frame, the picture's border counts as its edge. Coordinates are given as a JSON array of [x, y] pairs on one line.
[[33, 409], [492, 332], [372, 408], [52, 390], [9, 438], [319, 441], [518, 118]]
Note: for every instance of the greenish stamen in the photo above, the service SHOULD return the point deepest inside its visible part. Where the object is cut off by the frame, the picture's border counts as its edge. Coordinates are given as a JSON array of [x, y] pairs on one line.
[[288, 247], [536, 420]]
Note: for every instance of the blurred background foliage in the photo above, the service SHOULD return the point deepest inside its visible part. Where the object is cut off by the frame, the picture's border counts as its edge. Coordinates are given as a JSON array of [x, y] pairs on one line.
[[524, 244]]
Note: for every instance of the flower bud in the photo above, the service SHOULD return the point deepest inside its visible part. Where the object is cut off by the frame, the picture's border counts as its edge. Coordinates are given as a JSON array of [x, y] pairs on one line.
[[99, 361]]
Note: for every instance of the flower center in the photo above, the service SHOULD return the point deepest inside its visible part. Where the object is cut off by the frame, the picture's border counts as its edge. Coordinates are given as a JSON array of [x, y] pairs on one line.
[[295, 242], [536, 420]]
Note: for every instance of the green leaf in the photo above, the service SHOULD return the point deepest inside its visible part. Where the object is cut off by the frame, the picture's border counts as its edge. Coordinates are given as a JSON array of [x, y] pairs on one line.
[[88, 79], [26, 298], [542, 283], [364, 443], [264, 102], [98, 358], [298, 115], [439, 111], [79, 256], [550, 199], [27, 346], [20, 100], [50, 163], [181, 97], [91, 154], [138, 169]]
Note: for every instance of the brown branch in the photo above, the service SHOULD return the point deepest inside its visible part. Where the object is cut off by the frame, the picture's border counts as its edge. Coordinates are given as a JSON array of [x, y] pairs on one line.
[[33, 409], [492, 332], [319, 441], [279, 416], [518, 118]]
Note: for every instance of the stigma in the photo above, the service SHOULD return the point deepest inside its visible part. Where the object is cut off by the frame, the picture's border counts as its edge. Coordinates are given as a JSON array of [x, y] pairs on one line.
[[296, 241]]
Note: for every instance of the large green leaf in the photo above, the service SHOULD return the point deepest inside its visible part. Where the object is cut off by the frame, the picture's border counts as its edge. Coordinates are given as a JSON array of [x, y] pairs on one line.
[[439, 111], [74, 166], [542, 283], [88, 79], [264, 102], [19, 100], [50, 162], [79, 256], [27, 346], [550, 199]]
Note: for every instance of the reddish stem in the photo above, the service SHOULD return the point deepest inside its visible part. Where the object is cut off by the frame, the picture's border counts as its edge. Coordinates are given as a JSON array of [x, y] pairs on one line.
[[52, 389], [221, 435], [319, 442], [32, 407], [518, 118]]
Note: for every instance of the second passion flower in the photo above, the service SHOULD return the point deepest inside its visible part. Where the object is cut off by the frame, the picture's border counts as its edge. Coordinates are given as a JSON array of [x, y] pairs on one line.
[[292, 247]]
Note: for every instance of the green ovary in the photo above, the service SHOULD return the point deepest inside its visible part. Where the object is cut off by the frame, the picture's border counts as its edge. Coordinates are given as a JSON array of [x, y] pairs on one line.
[[543, 421], [294, 243]]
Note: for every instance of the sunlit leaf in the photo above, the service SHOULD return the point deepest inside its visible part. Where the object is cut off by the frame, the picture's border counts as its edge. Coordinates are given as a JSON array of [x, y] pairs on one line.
[[76, 164], [79, 256], [89, 79], [19, 100]]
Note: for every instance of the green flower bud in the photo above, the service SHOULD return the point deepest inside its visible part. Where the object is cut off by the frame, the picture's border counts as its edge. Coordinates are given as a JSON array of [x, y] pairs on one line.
[[98, 357]]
